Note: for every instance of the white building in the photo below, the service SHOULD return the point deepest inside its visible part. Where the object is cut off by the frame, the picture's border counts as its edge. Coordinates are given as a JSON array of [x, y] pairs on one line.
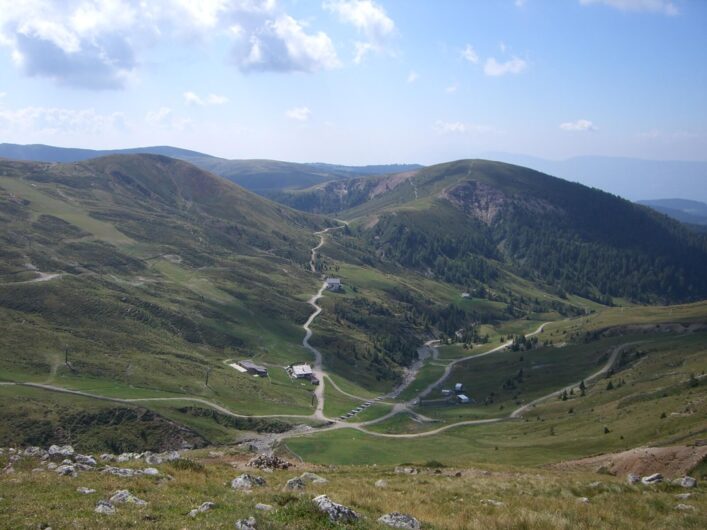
[[333, 284], [301, 371], [461, 398]]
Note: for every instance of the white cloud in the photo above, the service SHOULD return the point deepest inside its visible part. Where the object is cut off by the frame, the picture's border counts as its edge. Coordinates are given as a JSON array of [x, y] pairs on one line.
[[3, 94], [298, 113], [96, 44], [447, 127], [451, 89], [578, 126], [520, 3], [369, 18], [469, 53], [282, 45], [458, 127], [513, 66], [665, 7], [53, 120], [165, 118], [193, 98], [413, 76]]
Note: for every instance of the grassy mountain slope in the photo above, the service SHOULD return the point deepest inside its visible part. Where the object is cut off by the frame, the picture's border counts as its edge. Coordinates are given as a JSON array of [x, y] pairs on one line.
[[456, 219], [145, 272]]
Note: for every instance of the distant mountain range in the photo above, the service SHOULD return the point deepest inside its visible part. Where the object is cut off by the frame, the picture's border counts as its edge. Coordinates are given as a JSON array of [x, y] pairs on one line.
[[261, 176], [631, 178], [693, 213]]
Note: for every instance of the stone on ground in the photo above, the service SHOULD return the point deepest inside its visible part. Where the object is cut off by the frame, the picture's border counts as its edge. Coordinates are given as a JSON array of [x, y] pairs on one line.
[[399, 520], [338, 513], [105, 508], [246, 482], [125, 497], [246, 524]]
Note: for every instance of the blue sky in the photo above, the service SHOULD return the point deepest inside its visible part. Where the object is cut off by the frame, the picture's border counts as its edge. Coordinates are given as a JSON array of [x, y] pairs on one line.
[[361, 81]]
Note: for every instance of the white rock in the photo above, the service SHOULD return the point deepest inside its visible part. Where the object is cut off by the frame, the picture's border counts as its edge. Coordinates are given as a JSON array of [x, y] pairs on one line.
[[85, 491], [313, 478], [632, 479], [381, 483], [205, 507], [150, 471], [399, 520], [685, 508], [246, 482], [583, 500], [87, 460], [246, 524], [124, 496], [66, 470], [61, 450], [105, 508], [295, 484], [688, 482], [491, 502], [263, 507], [337, 513], [655, 478]]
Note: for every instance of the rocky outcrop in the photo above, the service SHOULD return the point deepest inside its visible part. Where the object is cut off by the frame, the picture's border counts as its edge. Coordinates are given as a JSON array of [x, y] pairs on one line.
[[295, 484], [246, 524], [205, 507], [125, 497], [269, 463]]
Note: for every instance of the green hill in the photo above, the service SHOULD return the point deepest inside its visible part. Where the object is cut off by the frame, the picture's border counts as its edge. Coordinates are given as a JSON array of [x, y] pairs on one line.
[[460, 219]]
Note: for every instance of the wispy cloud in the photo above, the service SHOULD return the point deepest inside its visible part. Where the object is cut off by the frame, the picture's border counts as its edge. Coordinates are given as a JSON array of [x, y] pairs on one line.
[[469, 53], [451, 89], [193, 98], [371, 21], [298, 113], [458, 127], [665, 7], [413, 76], [57, 120], [165, 118], [578, 126], [494, 68]]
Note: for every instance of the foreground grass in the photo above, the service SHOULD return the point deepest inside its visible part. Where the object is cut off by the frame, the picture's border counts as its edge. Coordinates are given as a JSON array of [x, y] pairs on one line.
[[449, 498]]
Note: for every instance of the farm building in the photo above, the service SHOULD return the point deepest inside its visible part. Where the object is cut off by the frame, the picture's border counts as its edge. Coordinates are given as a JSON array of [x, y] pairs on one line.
[[300, 371], [458, 388], [253, 369], [333, 284], [462, 399]]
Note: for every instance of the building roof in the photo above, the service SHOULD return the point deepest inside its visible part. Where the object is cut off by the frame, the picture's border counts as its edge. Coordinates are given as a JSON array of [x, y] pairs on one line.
[[462, 397], [299, 370], [250, 365], [333, 281]]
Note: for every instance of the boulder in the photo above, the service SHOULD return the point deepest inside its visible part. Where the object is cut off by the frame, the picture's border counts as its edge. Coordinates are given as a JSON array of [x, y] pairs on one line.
[[632, 479], [263, 507], [61, 450], [170, 456], [655, 478], [295, 484], [399, 520], [313, 478], [121, 471], [380, 483], [688, 482], [105, 457], [246, 482], [151, 471], [153, 460], [205, 507], [406, 470], [86, 460], [246, 524], [337, 513], [125, 497], [52, 465], [85, 491], [66, 470], [105, 508], [34, 451]]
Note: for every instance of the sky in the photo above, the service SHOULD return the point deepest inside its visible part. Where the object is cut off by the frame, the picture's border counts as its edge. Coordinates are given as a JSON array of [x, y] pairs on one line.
[[359, 81]]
